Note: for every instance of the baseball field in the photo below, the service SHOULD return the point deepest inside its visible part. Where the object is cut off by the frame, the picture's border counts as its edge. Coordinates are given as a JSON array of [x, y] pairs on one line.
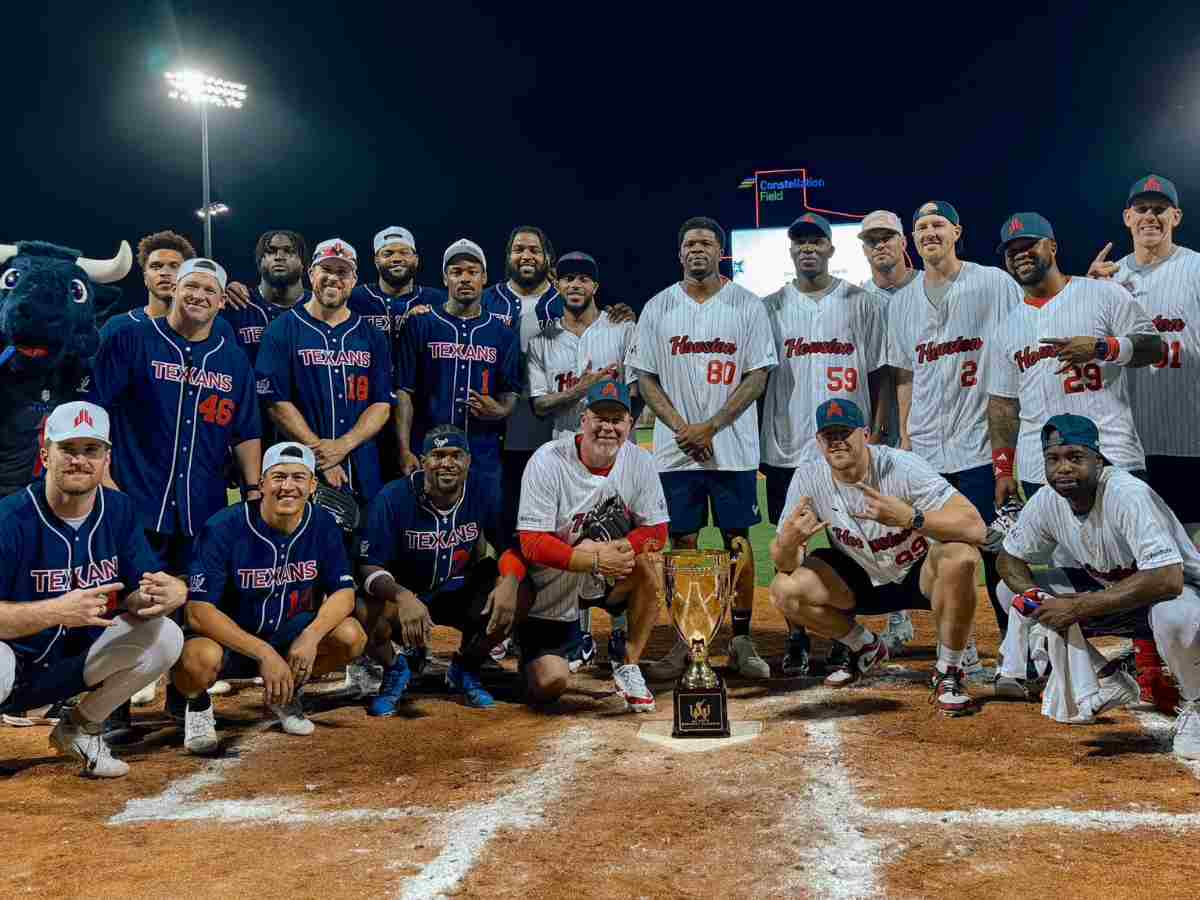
[[859, 792]]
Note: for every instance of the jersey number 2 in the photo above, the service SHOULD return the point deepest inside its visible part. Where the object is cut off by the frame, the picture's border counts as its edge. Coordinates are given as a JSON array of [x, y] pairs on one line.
[[217, 410], [721, 372]]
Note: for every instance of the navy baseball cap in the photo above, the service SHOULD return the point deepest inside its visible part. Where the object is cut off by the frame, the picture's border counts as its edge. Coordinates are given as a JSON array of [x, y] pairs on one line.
[[1153, 184], [1024, 225], [809, 223], [608, 391], [937, 208], [1070, 430], [577, 263], [839, 412]]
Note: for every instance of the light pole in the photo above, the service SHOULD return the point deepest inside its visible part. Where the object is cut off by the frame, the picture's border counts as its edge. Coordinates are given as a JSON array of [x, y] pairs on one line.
[[196, 87]]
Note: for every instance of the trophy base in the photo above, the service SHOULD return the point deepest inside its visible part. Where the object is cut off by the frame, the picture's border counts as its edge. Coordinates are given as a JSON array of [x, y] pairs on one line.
[[701, 712]]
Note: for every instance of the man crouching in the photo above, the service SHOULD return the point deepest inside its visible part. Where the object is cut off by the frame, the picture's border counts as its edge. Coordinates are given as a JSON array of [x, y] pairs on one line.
[[270, 594], [592, 516], [882, 507]]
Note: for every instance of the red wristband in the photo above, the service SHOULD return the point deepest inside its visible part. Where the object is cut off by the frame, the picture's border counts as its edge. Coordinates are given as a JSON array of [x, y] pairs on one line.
[[1114, 349], [1002, 462], [511, 564]]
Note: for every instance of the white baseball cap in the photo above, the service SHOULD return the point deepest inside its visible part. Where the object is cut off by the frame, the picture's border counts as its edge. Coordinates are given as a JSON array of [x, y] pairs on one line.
[[289, 452], [204, 267], [334, 248], [881, 218], [463, 247], [78, 419], [394, 234]]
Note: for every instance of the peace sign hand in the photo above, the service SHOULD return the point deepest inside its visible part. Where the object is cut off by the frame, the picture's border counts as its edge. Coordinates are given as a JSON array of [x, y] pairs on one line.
[[890, 511]]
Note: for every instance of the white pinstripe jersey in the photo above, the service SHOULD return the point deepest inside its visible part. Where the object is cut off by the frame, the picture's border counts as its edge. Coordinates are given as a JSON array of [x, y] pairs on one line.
[[885, 296], [557, 358], [1024, 369], [700, 353], [1164, 395], [1129, 529], [883, 552], [946, 349], [826, 348], [557, 493]]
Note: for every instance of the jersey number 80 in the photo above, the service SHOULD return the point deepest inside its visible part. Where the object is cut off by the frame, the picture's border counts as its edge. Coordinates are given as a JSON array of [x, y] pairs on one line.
[[721, 372]]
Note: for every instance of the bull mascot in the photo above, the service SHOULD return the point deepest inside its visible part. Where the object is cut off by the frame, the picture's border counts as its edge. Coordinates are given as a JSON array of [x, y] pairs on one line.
[[49, 297]]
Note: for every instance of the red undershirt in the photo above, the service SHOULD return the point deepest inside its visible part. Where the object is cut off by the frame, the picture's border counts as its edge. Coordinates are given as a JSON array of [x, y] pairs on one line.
[[1039, 302]]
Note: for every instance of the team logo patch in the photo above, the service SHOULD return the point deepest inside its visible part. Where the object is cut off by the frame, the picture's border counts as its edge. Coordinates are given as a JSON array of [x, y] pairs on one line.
[[1153, 184], [609, 390], [84, 416], [1015, 225], [441, 442], [835, 409], [930, 207]]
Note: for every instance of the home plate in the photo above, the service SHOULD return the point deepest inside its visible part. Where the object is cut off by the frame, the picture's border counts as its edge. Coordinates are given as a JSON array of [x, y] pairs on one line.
[[660, 733]]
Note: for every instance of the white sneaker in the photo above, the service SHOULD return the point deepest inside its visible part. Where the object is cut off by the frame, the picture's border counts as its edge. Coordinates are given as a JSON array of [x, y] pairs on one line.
[[220, 687], [501, 650], [1118, 689], [744, 659], [146, 695], [899, 631], [291, 717], [86, 743], [670, 666], [1186, 741], [200, 731], [970, 663], [632, 688]]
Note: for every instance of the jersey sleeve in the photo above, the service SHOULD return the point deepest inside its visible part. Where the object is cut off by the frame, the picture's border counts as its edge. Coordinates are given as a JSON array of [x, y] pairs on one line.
[[509, 380], [11, 546], [924, 488], [875, 348], [539, 495], [248, 424], [111, 370], [209, 575], [380, 537], [535, 364], [628, 333], [649, 505], [408, 357], [381, 378], [1004, 379], [898, 355], [801, 485], [334, 564], [1124, 315], [760, 340], [1146, 527], [1032, 539], [136, 558], [642, 354], [274, 366], [492, 523]]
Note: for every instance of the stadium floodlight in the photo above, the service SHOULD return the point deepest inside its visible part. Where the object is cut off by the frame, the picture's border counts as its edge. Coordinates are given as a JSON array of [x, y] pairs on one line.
[[204, 90], [214, 209]]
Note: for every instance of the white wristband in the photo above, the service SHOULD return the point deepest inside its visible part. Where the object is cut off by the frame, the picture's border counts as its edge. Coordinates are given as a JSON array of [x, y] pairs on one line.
[[1124, 352], [371, 580]]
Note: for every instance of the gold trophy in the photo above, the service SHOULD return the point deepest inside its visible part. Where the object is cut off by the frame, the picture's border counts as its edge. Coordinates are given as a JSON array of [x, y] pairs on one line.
[[698, 586]]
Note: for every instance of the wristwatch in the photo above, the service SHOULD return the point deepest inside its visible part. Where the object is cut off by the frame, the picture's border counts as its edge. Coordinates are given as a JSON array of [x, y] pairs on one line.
[[918, 520]]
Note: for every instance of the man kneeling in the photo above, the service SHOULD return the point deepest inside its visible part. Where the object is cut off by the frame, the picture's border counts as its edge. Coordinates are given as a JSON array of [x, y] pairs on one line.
[[882, 507], [592, 514], [271, 594]]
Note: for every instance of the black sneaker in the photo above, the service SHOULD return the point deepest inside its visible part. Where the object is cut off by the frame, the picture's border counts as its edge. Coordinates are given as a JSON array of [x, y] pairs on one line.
[[796, 659], [856, 663], [616, 649], [118, 727]]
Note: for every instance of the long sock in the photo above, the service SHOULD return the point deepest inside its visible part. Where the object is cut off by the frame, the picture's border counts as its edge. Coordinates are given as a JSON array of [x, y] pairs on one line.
[[857, 637], [741, 622], [948, 659]]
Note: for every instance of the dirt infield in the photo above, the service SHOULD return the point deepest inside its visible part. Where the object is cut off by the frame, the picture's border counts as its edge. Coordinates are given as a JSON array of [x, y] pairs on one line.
[[863, 792]]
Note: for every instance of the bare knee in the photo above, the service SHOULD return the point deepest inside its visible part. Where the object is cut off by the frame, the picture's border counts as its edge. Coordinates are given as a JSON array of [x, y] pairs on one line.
[[801, 588], [199, 665], [345, 643], [959, 558], [546, 679]]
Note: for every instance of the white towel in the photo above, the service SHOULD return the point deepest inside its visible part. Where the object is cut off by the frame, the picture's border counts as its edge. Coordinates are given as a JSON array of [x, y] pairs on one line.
[[1073, 680]]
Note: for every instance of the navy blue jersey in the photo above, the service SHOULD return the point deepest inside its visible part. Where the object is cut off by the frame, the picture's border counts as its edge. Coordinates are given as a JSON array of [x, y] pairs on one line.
[[44, 557], [177, 408], [440, 357], [134, 316], [251, 323], [331, 373], [427, 549], [261, 577], [502, 301], [387, 313]]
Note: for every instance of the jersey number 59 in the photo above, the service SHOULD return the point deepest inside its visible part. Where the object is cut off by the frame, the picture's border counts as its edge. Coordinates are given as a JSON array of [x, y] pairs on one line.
[[840, 378]]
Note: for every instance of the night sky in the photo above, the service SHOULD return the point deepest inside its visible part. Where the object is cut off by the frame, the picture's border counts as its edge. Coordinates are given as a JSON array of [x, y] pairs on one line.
[[606, 124]]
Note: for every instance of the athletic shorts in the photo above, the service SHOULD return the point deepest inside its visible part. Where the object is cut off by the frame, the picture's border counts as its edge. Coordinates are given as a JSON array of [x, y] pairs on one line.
[[1177, 480], [872, 600], [462, 608], [547, 637], [979, 486], [733, 495], [779, 479], [40, 684], [234, 665]]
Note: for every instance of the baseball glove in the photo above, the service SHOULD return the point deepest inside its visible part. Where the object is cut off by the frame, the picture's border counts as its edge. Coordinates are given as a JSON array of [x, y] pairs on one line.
[[1005, 521], [340, 504], [610, 521]]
